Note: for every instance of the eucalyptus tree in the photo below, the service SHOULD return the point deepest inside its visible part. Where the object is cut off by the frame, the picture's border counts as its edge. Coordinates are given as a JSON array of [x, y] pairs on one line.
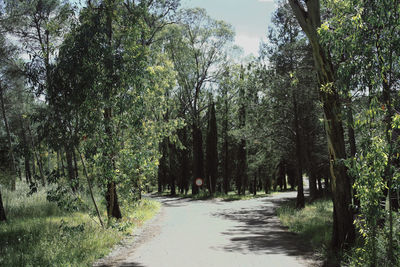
[[370, 34], [4, 51], [114, 95], [196, 47], [308, 15], [8, 73], [38, 28]]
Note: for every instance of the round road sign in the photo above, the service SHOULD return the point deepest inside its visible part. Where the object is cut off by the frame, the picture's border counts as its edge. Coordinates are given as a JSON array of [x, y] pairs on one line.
[[199, 181]]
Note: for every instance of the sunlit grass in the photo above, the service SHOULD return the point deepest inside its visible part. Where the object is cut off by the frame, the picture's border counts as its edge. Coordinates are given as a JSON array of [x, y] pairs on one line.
[[38, 233], [313, 223]]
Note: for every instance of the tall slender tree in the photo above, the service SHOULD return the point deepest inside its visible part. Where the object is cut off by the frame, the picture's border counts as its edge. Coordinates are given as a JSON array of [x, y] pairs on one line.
[[211, 149], [309, 17]]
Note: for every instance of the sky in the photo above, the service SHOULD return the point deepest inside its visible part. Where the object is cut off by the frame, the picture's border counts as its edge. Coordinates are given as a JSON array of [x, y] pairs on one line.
[[249, 18]]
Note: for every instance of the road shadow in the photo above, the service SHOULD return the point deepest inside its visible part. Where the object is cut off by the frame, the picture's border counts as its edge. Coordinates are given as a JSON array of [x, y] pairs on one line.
[[260, 232], [131, 264], [177, 201], [170, 201]]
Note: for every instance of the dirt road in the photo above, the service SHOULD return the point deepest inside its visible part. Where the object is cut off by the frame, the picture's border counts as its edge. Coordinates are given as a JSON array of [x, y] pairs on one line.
[[214, 233]]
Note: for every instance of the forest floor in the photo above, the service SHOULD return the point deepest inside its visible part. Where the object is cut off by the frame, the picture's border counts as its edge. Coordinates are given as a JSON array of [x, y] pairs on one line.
[[216, 233]]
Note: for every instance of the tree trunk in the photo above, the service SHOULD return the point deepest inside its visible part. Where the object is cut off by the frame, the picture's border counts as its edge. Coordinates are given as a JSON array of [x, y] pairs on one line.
[[184, 162], [3, 217], [35, 154], [211, 150], [267, 184], [10, 148], [353, 148], [162, 167], [242, 154], [343, 228], [62, 163], [90, 189], [75, 164], [172, 169], [225, 148], [242, 170], [226, 164], [19, 172], [198, 167], [28, 175], [300, 203], [113, 209], [33, 168], [255, 184], [313, 184], [70, 167], [58, 164]]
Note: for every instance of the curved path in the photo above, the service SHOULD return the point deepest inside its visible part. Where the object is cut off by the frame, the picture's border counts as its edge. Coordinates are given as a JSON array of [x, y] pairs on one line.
[[218, 233]]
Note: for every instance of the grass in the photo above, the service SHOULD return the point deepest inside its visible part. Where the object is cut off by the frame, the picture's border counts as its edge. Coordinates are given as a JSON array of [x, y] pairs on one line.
[[38, 233], [313, 223]]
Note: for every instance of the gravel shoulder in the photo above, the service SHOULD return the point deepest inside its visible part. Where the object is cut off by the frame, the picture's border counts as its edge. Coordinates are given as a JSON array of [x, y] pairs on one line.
[[213, 233]]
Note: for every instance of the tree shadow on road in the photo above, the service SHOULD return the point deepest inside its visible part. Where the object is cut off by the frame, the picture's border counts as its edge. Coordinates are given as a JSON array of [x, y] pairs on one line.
[[131, 264], [260, 232]]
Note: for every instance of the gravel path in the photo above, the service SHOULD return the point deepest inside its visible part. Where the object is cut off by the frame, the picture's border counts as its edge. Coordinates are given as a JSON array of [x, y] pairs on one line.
[[214, 233]]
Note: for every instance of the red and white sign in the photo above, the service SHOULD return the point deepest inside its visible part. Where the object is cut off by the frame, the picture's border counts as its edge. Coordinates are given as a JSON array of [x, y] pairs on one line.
[[199, 182]]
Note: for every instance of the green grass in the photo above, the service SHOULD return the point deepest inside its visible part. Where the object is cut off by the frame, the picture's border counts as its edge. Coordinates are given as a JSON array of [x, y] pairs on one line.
[[38, 233], [313, 223]]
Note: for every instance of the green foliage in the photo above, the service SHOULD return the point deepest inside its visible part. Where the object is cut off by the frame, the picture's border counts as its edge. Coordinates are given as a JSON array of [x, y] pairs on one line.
[[369, 168], [65, 198], [313, 223], [38, 233], [361, 254]]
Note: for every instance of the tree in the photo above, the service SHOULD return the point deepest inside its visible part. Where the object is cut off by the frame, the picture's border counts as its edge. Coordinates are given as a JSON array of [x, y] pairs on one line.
[[196, 48], [366, 61], [211, 149], [8, 74], [242, 154], [39, 27], [293, 122], [224, 101], [2, 211], [309, 18], [104, 92]]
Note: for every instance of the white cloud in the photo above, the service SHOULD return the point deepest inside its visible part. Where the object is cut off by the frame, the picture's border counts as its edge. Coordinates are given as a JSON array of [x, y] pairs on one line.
[[266, 1], [250, 44]]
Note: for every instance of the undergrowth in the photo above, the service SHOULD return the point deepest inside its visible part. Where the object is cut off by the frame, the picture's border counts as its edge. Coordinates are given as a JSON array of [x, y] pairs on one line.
[[39, 233], [313, 223]]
